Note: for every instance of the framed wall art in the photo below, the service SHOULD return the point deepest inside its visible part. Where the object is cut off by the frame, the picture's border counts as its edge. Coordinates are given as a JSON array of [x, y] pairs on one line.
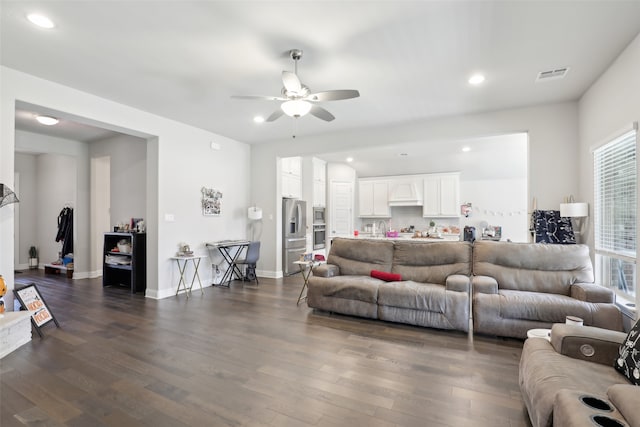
[[211, 202]]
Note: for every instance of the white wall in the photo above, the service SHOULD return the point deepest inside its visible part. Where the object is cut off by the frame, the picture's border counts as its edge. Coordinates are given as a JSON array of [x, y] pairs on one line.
[[57, 182], [553, 143], [609, 106], [128, 175], [179, 161], [26, 167], [498, 202]]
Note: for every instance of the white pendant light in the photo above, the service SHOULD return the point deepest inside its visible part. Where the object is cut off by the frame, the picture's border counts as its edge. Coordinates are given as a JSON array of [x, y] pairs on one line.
[[296, 108]]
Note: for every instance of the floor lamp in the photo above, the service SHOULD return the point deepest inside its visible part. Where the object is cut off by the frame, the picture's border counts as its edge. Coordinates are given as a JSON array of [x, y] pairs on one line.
[[578, 212]]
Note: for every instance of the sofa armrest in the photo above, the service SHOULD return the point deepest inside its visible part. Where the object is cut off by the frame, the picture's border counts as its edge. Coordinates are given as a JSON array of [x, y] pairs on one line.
[[590, 292], [484, 285], [587, 343], [625, 398], [326, 270], [458, 283]]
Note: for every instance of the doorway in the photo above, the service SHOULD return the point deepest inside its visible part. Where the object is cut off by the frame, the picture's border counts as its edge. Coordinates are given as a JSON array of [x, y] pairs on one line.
[[341, 219]]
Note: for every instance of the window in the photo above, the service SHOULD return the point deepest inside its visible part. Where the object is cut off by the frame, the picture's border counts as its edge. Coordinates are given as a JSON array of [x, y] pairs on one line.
[[615, 216]]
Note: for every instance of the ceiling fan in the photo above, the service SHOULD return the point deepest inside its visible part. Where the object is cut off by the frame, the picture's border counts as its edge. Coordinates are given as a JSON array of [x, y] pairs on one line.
[[298, 100]]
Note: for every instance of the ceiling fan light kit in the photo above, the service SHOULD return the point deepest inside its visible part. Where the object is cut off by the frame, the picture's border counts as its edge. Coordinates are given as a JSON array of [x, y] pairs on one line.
[[296, 108], [298, 100]]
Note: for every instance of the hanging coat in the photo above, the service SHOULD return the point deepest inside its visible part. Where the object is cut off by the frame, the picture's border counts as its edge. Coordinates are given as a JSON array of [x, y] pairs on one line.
[[65, 230]]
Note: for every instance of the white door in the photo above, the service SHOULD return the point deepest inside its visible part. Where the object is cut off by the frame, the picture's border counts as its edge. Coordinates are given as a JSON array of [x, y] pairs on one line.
[[341, 219], [100, 210]]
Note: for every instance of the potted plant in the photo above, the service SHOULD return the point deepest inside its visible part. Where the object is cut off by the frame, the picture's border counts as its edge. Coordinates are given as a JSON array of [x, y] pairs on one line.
[[33, 257]]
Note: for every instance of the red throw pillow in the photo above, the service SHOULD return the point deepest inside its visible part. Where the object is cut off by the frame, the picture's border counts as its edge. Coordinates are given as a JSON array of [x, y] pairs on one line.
[[387, 277]]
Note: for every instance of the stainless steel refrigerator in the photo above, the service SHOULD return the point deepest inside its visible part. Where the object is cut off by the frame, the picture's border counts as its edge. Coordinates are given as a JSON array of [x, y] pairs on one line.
[[294, 230]]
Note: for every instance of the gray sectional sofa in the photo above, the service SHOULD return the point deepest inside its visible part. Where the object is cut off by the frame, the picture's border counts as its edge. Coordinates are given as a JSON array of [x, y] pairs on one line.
[[516, 286], [434, 290]]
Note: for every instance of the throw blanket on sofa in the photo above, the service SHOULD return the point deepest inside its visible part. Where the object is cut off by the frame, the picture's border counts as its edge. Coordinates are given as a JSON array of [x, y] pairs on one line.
[[550, 227]]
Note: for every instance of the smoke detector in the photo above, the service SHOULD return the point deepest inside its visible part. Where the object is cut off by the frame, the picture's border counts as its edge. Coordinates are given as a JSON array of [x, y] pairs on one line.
[[554, 74]]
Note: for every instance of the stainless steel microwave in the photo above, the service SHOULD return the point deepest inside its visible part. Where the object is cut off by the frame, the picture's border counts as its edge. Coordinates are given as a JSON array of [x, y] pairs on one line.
[[318, 216]]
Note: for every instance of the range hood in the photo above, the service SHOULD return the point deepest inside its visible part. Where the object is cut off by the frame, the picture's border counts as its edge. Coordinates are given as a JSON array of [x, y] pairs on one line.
[[405, 193]]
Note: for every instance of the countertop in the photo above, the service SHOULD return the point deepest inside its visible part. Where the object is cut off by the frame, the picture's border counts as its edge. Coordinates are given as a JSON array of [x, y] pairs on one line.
[[405, 236]]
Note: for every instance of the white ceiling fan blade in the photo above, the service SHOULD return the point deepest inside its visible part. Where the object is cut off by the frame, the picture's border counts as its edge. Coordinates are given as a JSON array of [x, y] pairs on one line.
[[333, 95], [291, 82], [321, 113], [275, 115], [259, 97]]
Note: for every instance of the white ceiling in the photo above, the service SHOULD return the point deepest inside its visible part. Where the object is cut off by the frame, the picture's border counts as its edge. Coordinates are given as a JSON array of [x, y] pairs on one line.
[[409, 59]]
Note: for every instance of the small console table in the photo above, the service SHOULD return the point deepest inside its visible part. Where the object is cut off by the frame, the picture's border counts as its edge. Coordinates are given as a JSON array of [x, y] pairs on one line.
[[305, 270], [195, 260]]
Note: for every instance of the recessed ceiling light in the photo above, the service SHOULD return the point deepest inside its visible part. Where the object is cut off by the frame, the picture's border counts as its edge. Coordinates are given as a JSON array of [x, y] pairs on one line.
[[466, 149], [476, 79], [40, 20], [258, 119], [403, 154], [47, 120], [349, 159]]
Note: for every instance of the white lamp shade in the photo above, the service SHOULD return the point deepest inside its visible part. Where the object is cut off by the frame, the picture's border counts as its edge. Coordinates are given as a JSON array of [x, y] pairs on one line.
[[254, 213], [296, 108], [574, 210]]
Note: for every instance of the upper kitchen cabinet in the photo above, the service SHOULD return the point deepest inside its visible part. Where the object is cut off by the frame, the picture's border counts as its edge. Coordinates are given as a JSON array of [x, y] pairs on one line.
[[319, 182], [441, 195], [373, 199], [291, 177]]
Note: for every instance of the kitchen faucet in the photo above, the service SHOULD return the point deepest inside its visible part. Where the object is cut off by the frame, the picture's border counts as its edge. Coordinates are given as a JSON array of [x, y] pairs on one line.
[[383, 227]]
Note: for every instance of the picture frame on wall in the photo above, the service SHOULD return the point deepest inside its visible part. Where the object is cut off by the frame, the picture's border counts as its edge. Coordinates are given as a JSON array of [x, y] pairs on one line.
[[211, 202]]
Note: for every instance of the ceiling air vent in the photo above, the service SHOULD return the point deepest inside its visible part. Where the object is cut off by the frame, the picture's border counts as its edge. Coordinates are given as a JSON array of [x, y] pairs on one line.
[[555, 74]]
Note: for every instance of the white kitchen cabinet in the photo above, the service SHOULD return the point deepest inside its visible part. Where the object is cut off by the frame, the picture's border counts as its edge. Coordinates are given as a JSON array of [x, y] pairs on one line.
[[373, 199], [291, 177], [292, 166], [441, 195], [319, 182]]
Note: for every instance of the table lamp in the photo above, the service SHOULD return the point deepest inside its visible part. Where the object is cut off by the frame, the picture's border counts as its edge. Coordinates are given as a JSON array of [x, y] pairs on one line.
[[576, 211]]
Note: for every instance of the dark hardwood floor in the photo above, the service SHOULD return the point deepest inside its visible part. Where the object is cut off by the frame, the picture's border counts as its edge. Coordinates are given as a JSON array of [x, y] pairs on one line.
[[247, 355]]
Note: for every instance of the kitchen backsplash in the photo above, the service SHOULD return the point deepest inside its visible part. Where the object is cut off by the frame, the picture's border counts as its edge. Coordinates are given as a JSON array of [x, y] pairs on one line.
[[406, 216]]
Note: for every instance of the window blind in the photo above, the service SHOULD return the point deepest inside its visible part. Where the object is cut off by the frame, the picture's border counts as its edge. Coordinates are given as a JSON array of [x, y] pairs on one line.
[[615, 196]]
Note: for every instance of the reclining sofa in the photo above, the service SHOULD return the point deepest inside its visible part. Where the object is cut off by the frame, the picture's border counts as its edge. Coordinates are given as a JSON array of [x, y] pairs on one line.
[[522, 286], [571, 381], [433, 290], [516, 286]]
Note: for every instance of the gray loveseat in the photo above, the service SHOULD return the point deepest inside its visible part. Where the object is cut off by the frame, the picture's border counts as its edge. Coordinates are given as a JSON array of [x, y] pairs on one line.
[[434, 290], [562, 380], [522, 286]]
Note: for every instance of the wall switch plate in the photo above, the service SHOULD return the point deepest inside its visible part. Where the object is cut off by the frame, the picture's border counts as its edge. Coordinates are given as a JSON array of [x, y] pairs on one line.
[[169, 217]]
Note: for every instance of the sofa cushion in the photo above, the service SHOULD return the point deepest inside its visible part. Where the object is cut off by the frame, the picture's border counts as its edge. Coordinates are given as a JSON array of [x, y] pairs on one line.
[[361, 288], [628, 361], [533, 267], [542, 307], [431, 262], [387, 277], [359, 257], [408, 294]]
